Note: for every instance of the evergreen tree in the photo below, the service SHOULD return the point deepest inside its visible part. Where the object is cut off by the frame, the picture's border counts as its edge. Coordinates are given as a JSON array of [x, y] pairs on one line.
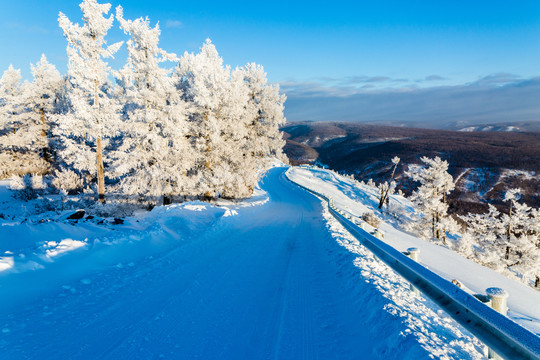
[[40, 97], [84, 131], [153, 158], [508, 242], [217, 122], [430, 199], [484, 232], [11, 109], [266, 106]]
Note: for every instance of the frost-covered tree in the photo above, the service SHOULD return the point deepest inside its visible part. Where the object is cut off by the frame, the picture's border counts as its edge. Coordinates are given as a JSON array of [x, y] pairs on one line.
[[218, 123], [84, 131], [534, 229], [40, 97], [516, 214], [430, 198], [20, 135], [508, 242], [154, 157], [484, 234], [265, 108], [519, 234], [10, 111], [10, 93], [28, 143], [386, 189]]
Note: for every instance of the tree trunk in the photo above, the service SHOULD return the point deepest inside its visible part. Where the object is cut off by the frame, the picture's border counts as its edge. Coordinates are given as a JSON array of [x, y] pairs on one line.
[[507, 254], [509, 229], [537, 282], [42, 116], [382, 199], [393, 172], [46, 156], [100, 172], [437, 222]]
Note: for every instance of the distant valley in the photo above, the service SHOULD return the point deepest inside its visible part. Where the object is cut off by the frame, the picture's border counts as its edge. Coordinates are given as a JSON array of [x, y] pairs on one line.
[[484, 161]]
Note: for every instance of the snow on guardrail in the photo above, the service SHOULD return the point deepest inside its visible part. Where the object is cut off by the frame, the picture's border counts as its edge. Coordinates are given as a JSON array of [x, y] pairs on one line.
[[504, 336]]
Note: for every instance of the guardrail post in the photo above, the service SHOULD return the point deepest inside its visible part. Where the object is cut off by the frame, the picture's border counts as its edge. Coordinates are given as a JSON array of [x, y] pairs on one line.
[[498, 301], [360, 224], [414, 254]]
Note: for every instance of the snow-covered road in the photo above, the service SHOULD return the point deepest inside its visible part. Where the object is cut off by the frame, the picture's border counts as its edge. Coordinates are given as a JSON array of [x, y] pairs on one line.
[[267, 283]]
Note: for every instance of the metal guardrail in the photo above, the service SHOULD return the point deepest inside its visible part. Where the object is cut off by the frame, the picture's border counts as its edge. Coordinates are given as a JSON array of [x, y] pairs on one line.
[[507, 338]]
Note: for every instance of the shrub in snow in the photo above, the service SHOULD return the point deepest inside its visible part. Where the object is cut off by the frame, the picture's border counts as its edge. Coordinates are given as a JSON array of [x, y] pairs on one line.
[[371, 219], [67, 180], [37, 182], [17, 183], [23, 187]]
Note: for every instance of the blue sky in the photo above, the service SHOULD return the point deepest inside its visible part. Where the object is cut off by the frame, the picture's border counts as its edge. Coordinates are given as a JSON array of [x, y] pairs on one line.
[[319, 49]]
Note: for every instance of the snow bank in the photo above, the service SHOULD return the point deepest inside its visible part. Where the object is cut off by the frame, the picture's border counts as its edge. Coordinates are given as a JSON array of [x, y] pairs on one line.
[[357, 199], [54, 248], [32, 240]]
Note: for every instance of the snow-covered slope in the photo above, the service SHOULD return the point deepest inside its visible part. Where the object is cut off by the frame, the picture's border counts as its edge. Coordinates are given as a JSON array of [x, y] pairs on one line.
[[201, 281], [523, 301]]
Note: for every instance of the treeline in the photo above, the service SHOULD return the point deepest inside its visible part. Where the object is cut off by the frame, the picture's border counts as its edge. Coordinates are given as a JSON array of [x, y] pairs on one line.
[[142, 131]]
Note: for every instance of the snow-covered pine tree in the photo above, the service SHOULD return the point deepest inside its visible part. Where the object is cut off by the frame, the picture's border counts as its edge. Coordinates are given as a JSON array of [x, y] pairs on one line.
[[10, 93], [507, 243], [25, 135], [514, 219], [266, 107], [484, 233], [239, 167], [430, 199], [217, 123], [11, 109], [534, 228], [85, 129], [154, 157], [521, 249], [40, 97]]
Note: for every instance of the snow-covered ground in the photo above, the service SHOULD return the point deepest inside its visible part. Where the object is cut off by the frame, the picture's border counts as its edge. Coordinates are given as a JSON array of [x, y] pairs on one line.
[[203, 281], [523, 301]]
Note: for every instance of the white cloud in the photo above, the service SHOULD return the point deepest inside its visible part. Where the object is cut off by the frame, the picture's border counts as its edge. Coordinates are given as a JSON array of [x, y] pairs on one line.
[[174, 24], [491, 99]]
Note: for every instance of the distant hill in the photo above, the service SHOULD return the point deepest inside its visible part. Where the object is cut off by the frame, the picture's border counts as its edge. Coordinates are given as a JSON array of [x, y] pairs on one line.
[[484, 164]]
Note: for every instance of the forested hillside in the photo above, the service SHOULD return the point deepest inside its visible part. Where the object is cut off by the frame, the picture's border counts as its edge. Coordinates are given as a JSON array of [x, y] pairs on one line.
[[484, 165]]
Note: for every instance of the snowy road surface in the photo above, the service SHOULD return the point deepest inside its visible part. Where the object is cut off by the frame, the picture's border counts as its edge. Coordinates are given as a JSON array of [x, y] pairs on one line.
[[267, 283]]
